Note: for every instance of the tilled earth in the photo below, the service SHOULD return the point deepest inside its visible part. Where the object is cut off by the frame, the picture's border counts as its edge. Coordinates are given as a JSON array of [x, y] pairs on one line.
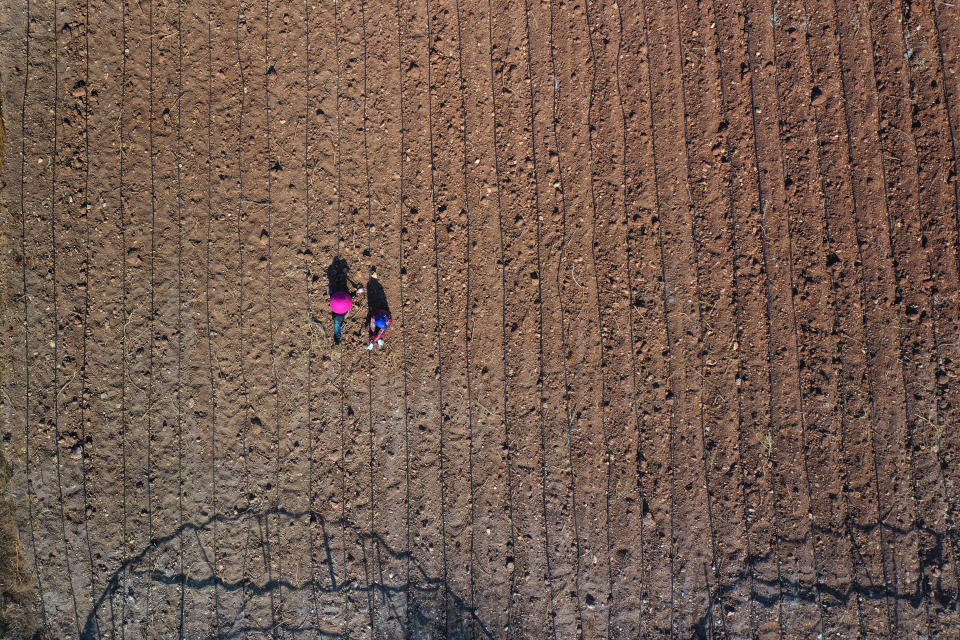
[[676, 329]]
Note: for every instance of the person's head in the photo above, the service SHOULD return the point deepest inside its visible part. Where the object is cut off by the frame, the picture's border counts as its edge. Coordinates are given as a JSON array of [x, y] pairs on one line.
[[340, 302], [381, 319]]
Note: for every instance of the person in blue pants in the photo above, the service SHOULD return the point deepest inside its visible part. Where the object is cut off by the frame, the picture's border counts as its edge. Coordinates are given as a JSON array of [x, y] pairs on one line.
[[378, 314], [340, 294]]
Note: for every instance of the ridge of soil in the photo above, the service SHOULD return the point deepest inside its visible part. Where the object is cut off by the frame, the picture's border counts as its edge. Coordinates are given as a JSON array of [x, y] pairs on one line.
[[16, 592]]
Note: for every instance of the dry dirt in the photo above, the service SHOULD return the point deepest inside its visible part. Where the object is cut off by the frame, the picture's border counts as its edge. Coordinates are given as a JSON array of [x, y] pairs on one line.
[[676, 319]]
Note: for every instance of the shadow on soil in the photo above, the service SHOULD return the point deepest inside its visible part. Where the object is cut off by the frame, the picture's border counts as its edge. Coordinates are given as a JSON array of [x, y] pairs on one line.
[[768, 594], [376, 298], [16, 589], [338, 275], [423, 606]]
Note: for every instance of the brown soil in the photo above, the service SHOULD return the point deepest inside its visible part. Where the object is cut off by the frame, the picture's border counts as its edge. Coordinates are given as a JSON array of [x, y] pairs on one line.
[[676, 302]]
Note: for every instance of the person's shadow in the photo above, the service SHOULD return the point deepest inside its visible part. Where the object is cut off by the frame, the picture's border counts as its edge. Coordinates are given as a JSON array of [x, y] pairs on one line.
[[337, 278], [376, 298]]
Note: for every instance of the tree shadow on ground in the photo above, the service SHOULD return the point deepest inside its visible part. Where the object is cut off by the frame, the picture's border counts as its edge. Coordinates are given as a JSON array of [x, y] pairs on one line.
[[423, 605], [769, 593], [17, 619]]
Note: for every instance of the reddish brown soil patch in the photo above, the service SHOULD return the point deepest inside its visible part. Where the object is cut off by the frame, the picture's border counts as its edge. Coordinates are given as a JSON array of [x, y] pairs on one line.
[[675, 296]]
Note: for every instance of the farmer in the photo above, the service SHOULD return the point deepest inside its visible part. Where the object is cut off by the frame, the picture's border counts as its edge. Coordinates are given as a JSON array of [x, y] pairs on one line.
[[341, 299], [379, 323], [378, 316]]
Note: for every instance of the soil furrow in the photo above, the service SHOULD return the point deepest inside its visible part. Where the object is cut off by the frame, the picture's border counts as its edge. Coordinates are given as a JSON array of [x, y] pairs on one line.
[[331, 540], [209, 414], [905, 219], [814, 322], [868, 541], [389, 497], [561, 533], [254, 237], [285, 54], [756, 445], [779, 208], [308, 565], [67, 298], [945, 25], [137, 200], [493, 529], [34, 334], [521, 316], [879, 319], [85, 391], [450, 199], [193, 363], [229, 455], [708, 164], [351, 214], [580, 328], [613, 280], [165, 587], [650, 347], [106, 362], [690, 552], [425, 611], [925, 241]]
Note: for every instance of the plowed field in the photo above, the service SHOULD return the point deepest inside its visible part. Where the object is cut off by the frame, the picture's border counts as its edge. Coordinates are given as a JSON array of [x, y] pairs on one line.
[[675, 291]]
